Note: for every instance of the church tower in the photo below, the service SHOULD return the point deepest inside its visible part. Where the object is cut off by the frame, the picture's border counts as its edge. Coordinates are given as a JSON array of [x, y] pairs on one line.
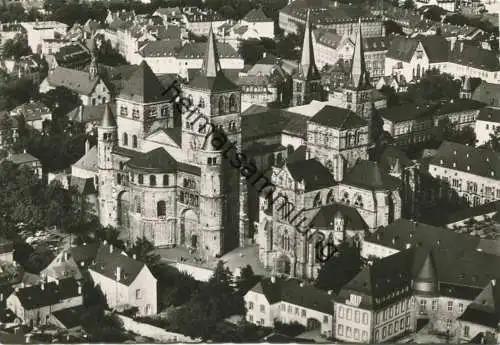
[[466, 89], [214, 119], [93, 68], [307, 81], [106, 140], [358, 90]]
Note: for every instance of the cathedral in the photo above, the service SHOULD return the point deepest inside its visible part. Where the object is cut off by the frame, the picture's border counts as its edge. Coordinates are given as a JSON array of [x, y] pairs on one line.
[[159, 176]]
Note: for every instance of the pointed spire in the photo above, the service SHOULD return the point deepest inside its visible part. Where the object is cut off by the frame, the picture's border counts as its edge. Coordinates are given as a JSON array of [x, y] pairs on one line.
[[426, 279], [211, 63], [108, 119], [307, 67], [359, 76]]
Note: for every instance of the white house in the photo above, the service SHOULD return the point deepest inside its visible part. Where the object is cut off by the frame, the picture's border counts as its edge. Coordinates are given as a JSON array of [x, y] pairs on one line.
[[288, 301], [257, 20], [448, 5], [38, 31], [487, 122], [161, 55], [124, 281]]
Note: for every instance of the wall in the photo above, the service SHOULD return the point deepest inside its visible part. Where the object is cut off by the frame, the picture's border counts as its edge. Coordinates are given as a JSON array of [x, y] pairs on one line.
[[483, 129], [154, 332]]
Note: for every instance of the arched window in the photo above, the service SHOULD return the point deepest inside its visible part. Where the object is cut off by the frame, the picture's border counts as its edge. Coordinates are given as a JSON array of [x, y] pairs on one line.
[[330, 198], [119, 178], [161, 209], [222, 105], [140, 179], [125, 139], [233, 106], [137, 204], [152, 180], [289, 149], [358, 201], [202, 103], [271, 160], [122, 165], [190, 99], [280, 159], [317, 200], [165, 180], [134, 141]]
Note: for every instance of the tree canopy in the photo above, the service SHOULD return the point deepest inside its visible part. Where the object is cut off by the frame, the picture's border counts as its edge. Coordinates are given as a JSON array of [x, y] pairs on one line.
[[16, 47]]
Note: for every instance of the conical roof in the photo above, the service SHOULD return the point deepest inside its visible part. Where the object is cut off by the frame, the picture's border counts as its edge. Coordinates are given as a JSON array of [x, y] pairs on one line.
[[307, 67], [211, 63], [143, 86], [108, 119], [358, 78], [426, 278]]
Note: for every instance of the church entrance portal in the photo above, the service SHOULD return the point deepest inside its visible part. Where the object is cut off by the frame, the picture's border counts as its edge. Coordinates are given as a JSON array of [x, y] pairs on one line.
[[189, 226], [123, 209], [194, 241]]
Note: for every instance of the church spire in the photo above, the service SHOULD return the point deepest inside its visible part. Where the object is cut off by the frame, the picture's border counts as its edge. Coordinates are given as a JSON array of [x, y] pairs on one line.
[[358, 78], [211, 63], [307, 68]]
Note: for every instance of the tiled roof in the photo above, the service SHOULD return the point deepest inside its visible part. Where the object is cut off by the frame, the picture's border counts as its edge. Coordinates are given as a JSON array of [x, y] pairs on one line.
[[70, 317], [75, 80], [327, 37], [32, 111], [85, 253], [48, 294], [208, 16], [161, 48], [489, 114], [256, 15], [476, 161], [402, 48], [197, 50], [488, 94], [475, 56], [157, 160], [273, 122], [376, 283], [172, 32], [485, 309], [370, 175], [143, 86], [89, 113], [339, 118], [291, 291], [325, 215], [408, 111], [84, 186], [22, 158], [253, 80], [108, 260], [88, 161], [458, 105], [312, 173]]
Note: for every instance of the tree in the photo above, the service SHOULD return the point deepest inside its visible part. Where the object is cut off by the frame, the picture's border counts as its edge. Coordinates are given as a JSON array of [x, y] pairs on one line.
[[494, 142], [287, 47], [447, 131], [16, 47], [434, 86], [246, 280], [390, 94], [143, 250], [409, 4], [251, 51]]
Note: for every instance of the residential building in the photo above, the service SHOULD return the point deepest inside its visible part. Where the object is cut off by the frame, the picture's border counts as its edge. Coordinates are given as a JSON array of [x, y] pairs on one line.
[[34, 304], [398, 84], [329, 15], [24, 67], [161, 55], [199, 22], [288, 301], [74, 56], [6, 250], [257, 20], [257, 89], [472, 173], [307, 80], [487, 123], [375, 306], [487, 93], [124, 281], [448, 5], [169, 14], [38, 31], [27, 160], [88, 115], [33, 113], [89, 86]]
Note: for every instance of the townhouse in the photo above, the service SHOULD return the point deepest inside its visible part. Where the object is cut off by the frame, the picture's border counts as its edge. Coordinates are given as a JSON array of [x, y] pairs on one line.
[[375, 306], [199, 22], [161, 55], [39, 31], [448, 270], [486, 125], [257, 89], [169, 14], [472, 173], [487, 93], [124, 281], [34, 304], [257, 20], [25, 159], [33, 113], [412, 57], [342, 18], [290, 300]]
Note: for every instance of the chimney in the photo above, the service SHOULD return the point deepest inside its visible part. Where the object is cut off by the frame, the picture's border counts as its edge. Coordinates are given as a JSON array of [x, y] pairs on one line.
[[493, 282], [42, 287], [273, 279], [134, 256], [105, 242], [87, 146], [301, 284], [79, 289], [110, 248], [330, 292], [118, 273], [22, 284], [65, 256], [80, 113], [1, 297], [461, 47]]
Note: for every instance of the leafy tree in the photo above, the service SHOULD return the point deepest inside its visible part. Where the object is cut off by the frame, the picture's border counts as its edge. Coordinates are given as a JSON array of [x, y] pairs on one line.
[[433, 86], [251, 51], [494, 142], [409, 4], [288, 47], [60, 101], [246, 280], [143, 249], [391, 95], [16, 47], [446, 130]]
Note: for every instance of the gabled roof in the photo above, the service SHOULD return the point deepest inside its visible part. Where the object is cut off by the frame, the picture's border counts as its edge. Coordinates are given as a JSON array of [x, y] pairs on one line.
[[409, 111], [291, 291], [370, 175], [476, 161], [89, 113], [273, 122], [48, 294], [489, 114], [108, 259], [256, 15], [488, 94], [161, 48], [475, 56], [157, 160], [376, 283], [75, 80], [485, 309], [312, 173], [143, 86], [197, 50], [339, 118]]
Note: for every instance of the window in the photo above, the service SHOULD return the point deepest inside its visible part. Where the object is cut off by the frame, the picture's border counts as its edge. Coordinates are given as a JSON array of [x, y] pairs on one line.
[[407, 321], [296, 311], [466, 331], [402, 324], [390, 329], [460, 307], [448, 324], [325, 319], [356, 316], [140, 179], [384, 316], [341, 312], [376, 335], [261, 321], [395, 327], [365, 318], [348, 314], [123, 111], [384, 332], [250, 305], [161, 208], [135, 114], [262, 308], [138, 294], [423, 305], [303, 313], [340, 330], [365, 336], [137, 203], [165, 180], [152, 180], [202, 103], [134, 141], [356, 334], [450, 305], [125, 139], [233, 106], [290, 309], [434, 305], [348, 331]]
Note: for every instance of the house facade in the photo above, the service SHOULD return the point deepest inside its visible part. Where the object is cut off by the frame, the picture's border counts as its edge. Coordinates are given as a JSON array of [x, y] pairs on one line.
[[38, 31]]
